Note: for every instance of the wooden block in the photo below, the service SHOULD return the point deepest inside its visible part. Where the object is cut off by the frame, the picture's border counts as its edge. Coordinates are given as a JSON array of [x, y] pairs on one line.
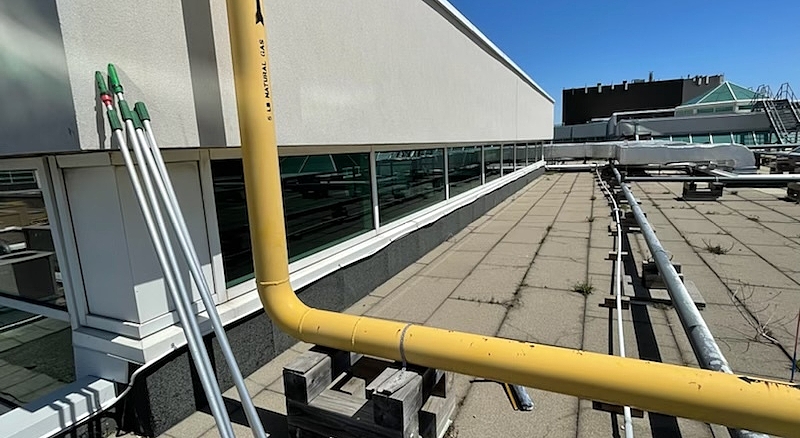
[[435, 416], [612, 255], [616, 409], [339, 402], [353, 386], [314, 419], [341, 361], [382, 377], [306, 377], [611, 303], [398, 401]]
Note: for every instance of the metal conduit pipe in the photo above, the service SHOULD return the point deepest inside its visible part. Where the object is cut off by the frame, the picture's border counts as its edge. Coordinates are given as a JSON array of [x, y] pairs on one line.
[[670, 389], [626, 410], [723, 179], [703, 344]]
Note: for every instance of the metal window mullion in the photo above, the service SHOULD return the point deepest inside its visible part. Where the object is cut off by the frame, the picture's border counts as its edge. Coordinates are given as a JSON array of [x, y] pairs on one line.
[[502, 161], [483, 164], [373, 184], [446, 174]]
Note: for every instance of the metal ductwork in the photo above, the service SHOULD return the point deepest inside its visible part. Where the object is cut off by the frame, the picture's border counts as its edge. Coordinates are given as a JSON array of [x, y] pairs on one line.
[[639, 153]]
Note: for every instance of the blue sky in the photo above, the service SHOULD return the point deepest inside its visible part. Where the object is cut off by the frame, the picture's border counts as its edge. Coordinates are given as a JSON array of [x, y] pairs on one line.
[[566, 44]]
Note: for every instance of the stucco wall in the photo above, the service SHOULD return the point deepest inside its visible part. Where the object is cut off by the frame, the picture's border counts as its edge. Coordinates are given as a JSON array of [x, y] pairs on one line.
[[354, 72]]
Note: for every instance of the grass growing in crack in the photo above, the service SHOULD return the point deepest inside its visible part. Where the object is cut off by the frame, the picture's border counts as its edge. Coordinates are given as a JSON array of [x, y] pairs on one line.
[[735, 192], [716, 248], [590, 219], [593, 198], [549, 227], [584, 288], [753, 218]]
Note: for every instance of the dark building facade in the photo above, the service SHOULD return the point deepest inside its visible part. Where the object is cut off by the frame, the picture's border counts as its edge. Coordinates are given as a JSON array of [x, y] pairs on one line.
[[581, 105]]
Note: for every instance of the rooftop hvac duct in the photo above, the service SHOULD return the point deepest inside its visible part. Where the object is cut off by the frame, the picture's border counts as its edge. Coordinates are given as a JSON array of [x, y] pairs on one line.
[[640, 153]]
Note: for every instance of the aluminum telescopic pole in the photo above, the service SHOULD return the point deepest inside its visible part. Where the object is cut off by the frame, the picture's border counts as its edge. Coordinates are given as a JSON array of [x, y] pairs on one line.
[[163, 248], [155, 163]]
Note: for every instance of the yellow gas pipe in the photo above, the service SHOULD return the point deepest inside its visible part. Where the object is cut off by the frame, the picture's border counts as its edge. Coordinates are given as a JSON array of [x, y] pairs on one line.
[[713, 397]]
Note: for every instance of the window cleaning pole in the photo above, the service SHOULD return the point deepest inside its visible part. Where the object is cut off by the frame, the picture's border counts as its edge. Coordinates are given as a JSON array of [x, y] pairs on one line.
[[155, 164], [164, 253]]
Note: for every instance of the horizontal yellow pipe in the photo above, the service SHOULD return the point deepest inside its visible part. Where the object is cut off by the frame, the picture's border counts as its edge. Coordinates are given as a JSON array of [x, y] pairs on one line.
[[713, 397]]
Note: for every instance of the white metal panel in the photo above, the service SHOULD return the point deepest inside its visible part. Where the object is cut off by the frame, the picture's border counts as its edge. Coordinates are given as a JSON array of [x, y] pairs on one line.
[[150, 288], [100, 238]]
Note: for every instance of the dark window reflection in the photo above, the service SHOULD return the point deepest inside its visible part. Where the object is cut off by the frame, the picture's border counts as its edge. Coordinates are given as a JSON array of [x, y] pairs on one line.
[[521, 157], [409, 181], [508, 159], [464, 168], [326, 199], [491, 162], [36, 357], [28, 266]]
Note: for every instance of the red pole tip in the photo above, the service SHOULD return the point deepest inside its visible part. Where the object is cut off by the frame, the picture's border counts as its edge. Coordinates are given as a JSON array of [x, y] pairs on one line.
[[107, 99]]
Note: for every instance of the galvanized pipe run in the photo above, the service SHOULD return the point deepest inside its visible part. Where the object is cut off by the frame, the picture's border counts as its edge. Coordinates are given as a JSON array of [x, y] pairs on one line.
[[750, 179], [703, 344], [626, 410]]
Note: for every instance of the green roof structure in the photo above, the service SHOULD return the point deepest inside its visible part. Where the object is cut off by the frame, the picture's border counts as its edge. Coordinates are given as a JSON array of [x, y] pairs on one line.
[[724, 92]]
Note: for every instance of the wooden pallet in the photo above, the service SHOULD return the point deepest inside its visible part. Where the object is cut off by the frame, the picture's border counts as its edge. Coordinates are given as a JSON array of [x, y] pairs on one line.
[[334, 393]]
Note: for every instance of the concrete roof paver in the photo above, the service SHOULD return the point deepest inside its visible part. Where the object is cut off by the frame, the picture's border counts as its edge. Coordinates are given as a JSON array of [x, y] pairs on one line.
[[484, 318], [555, 273], [510, 254], [490, 283], [458, 263], [416, 300]]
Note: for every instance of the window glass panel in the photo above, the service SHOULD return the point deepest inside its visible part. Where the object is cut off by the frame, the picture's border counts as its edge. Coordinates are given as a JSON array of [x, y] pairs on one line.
[[36, 357], [409, 181], [36, 354], [722, 138], [491, 162], [464, 168], [723, 109], [705, 110], [521, 157], [326, 199], [701, 138], [683, 138], [28, 266], [508, 159], [743, 138]]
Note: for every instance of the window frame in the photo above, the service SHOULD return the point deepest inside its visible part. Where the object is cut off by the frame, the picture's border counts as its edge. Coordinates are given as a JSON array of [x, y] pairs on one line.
[[75, 308]]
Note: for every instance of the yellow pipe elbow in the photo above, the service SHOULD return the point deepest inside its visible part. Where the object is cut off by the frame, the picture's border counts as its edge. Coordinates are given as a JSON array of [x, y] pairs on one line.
[[709, 396]]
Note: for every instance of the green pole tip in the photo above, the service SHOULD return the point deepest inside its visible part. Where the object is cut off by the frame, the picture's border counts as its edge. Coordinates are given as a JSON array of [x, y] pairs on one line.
[[100, 82], [137, 124], [141, 110], [125, 110], [114, 79], [113, 120]]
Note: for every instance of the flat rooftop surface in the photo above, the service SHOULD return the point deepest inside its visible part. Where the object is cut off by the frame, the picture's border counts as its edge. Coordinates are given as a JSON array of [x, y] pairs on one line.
[[513, 273]]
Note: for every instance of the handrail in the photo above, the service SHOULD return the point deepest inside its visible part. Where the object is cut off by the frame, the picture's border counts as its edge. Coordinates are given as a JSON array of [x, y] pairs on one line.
[[686, 392]]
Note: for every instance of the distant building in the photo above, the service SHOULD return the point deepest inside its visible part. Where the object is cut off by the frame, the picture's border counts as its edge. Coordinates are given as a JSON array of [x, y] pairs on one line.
[[725, 113], [586, 104]]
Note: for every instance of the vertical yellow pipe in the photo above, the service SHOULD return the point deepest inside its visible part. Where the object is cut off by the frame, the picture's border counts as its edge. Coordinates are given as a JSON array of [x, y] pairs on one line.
[[686, 392]]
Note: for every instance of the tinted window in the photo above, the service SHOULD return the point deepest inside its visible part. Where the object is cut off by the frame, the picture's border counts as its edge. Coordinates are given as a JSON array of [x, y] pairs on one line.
[[408, 181], [326, 199], [464, 168]]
